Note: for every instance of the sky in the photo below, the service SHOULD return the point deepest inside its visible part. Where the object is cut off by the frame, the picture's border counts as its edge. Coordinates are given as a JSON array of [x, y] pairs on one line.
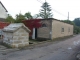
[[60, 8]]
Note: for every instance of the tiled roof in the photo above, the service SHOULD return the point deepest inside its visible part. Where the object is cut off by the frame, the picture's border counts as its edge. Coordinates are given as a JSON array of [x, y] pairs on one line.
[[15, 26], [3, 24]]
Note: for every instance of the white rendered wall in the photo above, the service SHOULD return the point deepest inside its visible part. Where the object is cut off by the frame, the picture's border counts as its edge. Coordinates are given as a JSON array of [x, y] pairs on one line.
[[3, 13]]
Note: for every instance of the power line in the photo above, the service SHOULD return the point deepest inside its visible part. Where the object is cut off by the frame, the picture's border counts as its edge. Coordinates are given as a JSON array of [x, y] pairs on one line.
[[40, 1], [59, 12], [53, 9]]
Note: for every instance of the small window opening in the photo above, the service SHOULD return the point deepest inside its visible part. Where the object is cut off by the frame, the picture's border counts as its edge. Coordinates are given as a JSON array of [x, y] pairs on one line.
[[44, 25], [68, 29], [62, 30]]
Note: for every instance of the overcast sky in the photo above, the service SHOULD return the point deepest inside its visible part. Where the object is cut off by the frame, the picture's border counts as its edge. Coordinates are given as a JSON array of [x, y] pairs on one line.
[[60, 8]]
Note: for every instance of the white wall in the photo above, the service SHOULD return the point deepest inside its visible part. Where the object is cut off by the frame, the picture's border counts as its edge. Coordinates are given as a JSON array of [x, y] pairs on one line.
[[3, 13], [57, 29]]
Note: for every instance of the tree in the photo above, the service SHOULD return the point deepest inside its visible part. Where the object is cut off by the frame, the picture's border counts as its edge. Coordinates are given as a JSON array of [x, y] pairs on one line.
[[28, 15], [45, 12], [77, 25], [77, 21], [68, 21], [76, 28], [19, 18], [36, 16], [10, 19]]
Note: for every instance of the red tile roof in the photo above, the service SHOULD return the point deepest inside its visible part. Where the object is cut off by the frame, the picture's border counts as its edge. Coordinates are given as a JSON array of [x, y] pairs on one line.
[[3, 24]]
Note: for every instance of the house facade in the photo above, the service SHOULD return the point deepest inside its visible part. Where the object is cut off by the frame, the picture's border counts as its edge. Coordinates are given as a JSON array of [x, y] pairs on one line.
[[49, 28], [3, 12], [16, 35]]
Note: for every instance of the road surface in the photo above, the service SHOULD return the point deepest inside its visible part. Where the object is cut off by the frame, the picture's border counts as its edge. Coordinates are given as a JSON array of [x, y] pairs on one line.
[[62, 50]]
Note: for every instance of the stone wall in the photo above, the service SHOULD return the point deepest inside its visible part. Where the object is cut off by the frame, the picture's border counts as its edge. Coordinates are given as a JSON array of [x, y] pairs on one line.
[[18, 38], [57, 29], [8, 37], [44, 31]]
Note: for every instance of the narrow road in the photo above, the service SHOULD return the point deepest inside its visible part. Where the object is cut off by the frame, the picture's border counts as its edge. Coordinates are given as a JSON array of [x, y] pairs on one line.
[[62, 50]]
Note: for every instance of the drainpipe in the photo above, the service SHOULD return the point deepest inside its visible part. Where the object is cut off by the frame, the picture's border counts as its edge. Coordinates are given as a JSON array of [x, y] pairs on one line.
[[51, 30]]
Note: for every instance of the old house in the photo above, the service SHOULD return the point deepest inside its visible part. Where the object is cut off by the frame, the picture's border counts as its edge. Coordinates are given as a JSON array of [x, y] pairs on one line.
[[48, 28], [16, 35], [3, 12]]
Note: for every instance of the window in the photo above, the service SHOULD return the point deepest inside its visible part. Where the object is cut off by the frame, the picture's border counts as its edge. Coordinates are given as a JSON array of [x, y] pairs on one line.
[[62, 30], [44, 25]]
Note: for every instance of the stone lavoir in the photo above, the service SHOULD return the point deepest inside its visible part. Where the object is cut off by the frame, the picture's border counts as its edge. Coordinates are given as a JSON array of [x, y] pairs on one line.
[[16, 35]]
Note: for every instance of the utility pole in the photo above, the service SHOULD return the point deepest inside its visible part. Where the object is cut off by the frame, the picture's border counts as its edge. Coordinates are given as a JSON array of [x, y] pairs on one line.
[[68, 15]]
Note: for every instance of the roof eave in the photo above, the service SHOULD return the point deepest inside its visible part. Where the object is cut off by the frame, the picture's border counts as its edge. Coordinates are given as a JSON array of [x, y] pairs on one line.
[[3, 6]]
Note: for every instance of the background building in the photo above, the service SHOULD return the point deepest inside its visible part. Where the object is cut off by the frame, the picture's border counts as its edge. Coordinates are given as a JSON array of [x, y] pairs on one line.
[[3, 12], [48, 28]]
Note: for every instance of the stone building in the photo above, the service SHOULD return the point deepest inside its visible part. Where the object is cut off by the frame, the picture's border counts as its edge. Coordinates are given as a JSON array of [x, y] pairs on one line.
[[48, 28], [16, 35]]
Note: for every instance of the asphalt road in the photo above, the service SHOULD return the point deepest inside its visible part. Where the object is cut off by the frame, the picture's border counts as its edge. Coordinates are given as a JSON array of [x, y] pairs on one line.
[[62, 50]]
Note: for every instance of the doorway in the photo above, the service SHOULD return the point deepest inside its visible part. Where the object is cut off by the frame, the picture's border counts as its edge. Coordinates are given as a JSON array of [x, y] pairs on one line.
[[35, 32]]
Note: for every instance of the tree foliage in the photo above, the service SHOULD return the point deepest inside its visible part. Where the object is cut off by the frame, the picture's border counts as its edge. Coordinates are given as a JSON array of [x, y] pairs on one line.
[[45, 12], [28, 15], [77, 21], [36, 16], [10, 19], [76, 28], [68, 21], [19, 18]]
